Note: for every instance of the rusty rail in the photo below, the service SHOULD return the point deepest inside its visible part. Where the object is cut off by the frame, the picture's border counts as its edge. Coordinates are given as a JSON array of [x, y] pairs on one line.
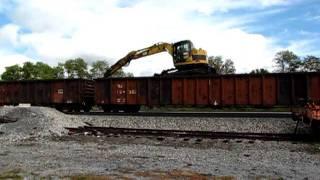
[[100, 131], [194, 114], [6, 119]]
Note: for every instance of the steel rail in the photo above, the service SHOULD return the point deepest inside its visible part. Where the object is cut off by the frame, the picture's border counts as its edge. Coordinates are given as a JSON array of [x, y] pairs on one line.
[[91, 130], [193, 114]]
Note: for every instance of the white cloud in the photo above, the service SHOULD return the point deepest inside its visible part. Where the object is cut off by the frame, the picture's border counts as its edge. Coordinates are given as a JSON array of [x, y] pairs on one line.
[[304, 47], [99, 29], [9, 35], [9, 59]]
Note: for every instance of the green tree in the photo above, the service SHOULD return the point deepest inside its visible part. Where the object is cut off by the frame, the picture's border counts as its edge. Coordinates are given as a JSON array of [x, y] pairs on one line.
[[76, 68], [59, 71], [222, 67], [259, 71], [129, 74], [44, 71], [12, 73], [98, 69], [217, 63], [228, 67], [287, 61], [311, 64], [29, 71], [119, 73]]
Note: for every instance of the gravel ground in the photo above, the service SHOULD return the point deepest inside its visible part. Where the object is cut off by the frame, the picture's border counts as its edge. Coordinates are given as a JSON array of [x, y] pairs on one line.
[[127, 157], [37, 146]]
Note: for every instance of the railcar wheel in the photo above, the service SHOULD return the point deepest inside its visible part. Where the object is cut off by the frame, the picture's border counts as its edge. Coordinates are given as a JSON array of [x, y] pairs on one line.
[[87, 108], [315, 126], [106, 109], [77, 108], [115, 110], [59, 108], [132, 109]]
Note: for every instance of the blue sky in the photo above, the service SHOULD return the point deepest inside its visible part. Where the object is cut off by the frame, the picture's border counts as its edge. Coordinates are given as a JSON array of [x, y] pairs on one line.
[[249, 32], [299, 21], [296, 22]]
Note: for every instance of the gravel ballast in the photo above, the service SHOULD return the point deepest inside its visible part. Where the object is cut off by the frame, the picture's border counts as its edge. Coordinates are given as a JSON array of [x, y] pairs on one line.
[[35, 122], [42, 121], [263, 125]]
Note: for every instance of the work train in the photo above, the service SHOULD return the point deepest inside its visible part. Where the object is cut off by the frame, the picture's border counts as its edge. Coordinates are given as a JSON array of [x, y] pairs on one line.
[[129, 94]]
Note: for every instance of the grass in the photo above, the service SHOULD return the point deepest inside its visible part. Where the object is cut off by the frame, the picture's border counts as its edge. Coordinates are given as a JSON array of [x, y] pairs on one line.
[[13, 174]]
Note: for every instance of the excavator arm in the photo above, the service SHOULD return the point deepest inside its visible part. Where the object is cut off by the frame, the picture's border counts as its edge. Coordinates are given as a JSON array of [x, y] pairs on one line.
[[154, 49]]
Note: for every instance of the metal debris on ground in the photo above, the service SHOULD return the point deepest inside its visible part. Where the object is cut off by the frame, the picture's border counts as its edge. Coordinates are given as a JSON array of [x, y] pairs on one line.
[[6, 119]]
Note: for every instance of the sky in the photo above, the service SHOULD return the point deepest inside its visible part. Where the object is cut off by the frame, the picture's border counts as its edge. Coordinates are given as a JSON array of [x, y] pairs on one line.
[[249, 32]]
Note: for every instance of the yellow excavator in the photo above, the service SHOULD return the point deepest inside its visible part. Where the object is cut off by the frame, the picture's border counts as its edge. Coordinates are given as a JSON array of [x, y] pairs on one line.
[[186, 58]]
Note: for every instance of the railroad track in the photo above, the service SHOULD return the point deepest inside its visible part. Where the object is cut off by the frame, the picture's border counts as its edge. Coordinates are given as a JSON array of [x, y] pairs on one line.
[[193, 114], [100, 131]]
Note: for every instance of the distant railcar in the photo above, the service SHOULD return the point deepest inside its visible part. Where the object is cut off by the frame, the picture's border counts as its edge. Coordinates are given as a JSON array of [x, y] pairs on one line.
[[267, 90], [70, 94]]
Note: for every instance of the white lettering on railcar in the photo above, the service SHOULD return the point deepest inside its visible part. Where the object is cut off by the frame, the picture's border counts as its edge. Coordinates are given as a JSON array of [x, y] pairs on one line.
[[120, 100], [132, 91], [60, 91]]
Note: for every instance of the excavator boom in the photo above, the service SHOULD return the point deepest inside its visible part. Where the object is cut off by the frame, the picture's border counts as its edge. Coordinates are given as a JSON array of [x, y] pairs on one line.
[[154, 49]]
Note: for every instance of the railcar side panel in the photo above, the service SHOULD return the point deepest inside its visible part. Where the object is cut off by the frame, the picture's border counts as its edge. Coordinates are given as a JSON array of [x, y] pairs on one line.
[[118, 89], [43, 92], [70, 87], [14, 93], [215, 91], [165, 91], [255, 89], [299, 88], [178, 91], [269, 91], [284, 90], [23, 92], [2, 94], [202, 91], [189, 90], [242, 92], [314, 87], [57, 92], [228, 91], [153, 92], [131, 91], [142, 88]]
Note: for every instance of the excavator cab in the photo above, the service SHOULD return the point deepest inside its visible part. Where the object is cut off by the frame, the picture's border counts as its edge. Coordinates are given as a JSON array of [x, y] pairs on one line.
[[182, 51], [186, 57]]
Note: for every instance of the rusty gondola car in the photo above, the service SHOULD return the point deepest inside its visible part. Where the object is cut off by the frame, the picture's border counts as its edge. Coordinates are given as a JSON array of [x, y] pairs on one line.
[[268, 90], [129, 94], [69, 94]]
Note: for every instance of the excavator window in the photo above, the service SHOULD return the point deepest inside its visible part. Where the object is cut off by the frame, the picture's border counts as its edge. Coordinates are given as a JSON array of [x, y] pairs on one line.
[[182, 51]]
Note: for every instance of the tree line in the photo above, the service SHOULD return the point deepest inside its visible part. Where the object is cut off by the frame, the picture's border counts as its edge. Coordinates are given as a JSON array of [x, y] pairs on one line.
[[72, 68], [285, 61]]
